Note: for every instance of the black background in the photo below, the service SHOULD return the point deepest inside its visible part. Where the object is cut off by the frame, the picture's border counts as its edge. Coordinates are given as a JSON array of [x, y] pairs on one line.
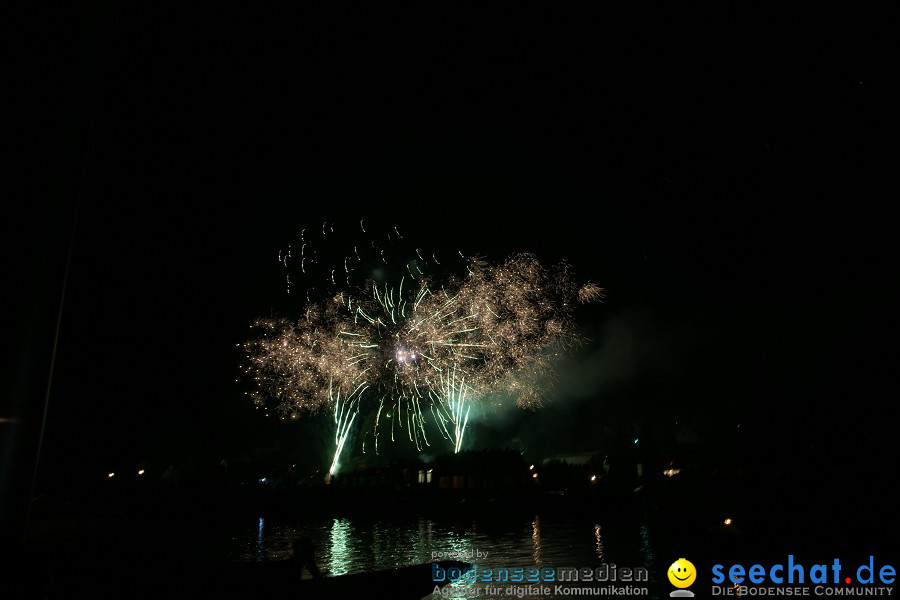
[[719, 170]]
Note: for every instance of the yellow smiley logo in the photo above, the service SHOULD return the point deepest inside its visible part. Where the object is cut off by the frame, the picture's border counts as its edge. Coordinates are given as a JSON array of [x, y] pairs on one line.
[[682, 573]]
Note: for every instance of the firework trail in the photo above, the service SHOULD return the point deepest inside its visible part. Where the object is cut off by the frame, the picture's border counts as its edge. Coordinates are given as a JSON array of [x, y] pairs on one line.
[[405, 340], [452, 408], [345, 411]]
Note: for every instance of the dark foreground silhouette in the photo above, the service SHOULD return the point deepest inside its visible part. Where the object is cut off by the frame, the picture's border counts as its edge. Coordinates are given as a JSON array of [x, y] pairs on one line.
[[206, 580]]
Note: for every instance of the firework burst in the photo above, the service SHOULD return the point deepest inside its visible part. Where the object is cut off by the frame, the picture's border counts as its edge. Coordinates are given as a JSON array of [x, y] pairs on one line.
[[418, 345]]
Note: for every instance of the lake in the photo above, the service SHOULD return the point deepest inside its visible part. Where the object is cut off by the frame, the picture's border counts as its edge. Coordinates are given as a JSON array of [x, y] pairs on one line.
[[353, 544]]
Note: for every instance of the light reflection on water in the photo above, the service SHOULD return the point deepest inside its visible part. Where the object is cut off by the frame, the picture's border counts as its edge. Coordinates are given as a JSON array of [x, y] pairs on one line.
[[260, 539], [356, 544], [341, 553]]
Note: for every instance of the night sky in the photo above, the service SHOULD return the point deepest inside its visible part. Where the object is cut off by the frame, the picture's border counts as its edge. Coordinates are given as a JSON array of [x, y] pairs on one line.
[[720, 187]]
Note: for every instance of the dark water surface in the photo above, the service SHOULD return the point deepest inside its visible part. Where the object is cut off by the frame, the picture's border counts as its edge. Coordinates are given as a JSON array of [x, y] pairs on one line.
[[163, 553], [365, 543]]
